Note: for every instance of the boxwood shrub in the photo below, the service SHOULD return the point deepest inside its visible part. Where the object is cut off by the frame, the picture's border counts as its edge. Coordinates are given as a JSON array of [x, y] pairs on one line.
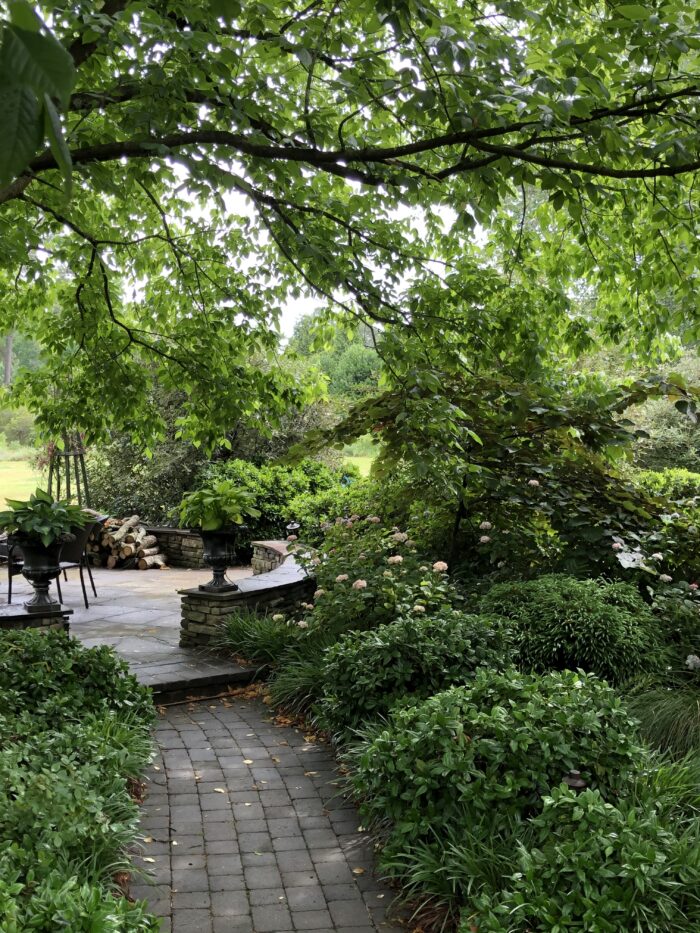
[[74, 728], [487, 752], [365, 673], [566, 624]]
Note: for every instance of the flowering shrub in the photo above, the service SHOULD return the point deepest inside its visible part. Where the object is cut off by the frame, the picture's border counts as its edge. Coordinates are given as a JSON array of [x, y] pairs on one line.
[[565, 623], [368, 575], [366, 673]]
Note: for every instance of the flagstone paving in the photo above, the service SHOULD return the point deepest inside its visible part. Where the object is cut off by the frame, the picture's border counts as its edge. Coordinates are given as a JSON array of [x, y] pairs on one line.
[[137, 612], [246, 830]]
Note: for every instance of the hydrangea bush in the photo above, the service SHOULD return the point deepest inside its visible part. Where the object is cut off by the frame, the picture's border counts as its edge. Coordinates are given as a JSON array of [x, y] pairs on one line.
[[368, 575]]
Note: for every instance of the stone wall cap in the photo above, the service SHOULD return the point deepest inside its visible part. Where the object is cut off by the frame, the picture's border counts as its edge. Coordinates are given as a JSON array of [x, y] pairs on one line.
[[167, 530], [281, 547], [288, 574], [12, 612]]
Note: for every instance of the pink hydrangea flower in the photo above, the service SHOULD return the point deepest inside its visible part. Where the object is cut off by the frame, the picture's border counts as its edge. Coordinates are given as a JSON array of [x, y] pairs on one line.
[[374, 519], [359, 585], [617, 546], [292, 538], [664, 577], [440, 566], [303, 624], [533, 482], [278, 617], [484, 539], [486, 526], [693, 586], [319, 593], [400, 536], [418, 608], [316, 561], [396, 559], [341, 578]]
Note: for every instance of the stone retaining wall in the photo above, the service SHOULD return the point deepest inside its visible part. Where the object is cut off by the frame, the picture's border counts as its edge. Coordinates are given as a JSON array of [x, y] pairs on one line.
[[182, 548], [279, 590], [15, 616], [268, 555]]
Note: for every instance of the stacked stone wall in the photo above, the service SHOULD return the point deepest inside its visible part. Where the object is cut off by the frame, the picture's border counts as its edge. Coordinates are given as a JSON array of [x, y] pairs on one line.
[[278, 590], [16, 617], [182, 548]]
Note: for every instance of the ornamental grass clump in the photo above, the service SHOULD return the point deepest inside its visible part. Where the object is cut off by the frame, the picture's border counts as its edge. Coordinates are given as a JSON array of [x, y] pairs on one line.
[[366, 673], [569, 624]]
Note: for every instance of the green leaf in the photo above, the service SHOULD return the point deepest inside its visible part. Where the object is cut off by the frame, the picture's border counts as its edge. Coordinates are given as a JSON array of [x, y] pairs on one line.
[[633, 11], [22, 14], [37, 60], [57, 142], [21, 130]]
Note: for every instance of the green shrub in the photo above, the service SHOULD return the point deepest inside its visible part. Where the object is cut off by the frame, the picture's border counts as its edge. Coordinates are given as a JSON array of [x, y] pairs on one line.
[[487, 752], [366, 673], [74, 727], [53, 679], [570, 624], [674, 484], [599, 867], [275, 487]]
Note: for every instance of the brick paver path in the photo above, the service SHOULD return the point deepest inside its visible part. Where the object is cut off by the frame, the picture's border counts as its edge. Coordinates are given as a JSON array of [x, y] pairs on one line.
[[246, 831]]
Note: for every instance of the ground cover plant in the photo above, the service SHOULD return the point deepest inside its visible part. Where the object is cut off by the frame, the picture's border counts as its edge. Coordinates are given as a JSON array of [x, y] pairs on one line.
[[75, 731]]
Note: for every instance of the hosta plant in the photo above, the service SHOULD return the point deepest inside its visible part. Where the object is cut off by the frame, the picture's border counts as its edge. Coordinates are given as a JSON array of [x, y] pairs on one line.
[[42, 517], [215, 507]]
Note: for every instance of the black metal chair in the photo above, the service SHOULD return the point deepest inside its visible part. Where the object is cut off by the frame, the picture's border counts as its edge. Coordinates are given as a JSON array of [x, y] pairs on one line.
[[12, 556], [74, 554]]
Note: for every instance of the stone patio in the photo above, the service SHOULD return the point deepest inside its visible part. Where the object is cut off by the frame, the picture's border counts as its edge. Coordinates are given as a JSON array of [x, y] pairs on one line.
[[137, 612]]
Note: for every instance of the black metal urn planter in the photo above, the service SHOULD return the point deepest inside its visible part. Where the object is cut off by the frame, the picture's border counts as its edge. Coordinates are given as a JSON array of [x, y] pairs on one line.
[[41, 565], [218, 511], [219, 554], [39, 527]]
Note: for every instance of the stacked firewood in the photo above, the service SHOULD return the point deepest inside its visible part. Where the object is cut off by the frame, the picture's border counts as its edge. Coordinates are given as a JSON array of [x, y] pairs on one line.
[[124, 544]]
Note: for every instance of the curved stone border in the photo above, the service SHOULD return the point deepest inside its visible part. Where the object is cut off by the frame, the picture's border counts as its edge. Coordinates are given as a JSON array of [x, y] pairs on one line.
[[281, 589]]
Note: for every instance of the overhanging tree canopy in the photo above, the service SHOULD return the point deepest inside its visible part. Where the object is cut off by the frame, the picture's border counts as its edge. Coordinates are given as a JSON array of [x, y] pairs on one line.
[[367, 141]]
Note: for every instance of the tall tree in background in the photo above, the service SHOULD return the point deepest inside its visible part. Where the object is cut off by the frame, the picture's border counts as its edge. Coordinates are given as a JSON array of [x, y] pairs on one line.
[[225, 157], [7, 359]]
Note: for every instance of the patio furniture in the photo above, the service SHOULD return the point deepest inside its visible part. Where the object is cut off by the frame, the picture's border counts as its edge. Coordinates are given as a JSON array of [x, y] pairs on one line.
[[12, 556], [74, 554]]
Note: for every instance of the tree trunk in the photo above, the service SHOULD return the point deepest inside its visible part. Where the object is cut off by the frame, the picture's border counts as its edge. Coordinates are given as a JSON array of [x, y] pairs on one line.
[[7, 359]]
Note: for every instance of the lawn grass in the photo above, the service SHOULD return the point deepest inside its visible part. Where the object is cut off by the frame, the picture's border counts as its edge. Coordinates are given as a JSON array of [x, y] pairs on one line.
[[18, 479], [363, 464]]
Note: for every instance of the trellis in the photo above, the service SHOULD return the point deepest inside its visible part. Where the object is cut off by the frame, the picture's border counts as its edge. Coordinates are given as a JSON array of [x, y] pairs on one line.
[[67, 471]]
